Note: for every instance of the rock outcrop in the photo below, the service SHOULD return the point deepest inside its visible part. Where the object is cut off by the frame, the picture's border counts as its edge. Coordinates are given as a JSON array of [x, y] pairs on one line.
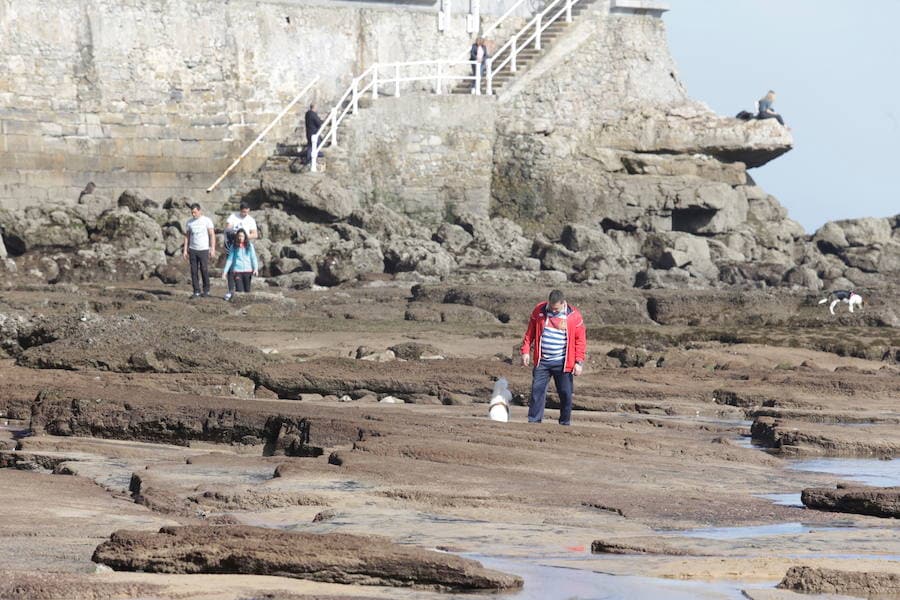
[[332, 558], [810, 580], [878, 502]]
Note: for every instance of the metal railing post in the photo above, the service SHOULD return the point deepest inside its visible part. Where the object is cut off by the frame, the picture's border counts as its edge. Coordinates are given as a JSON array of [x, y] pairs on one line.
[[490, 77], [396, 80], [568, 11], [440, 75], [355, 95], [537, 37], [513, 51], [375, 81], [314, 153], [334, 126], [478, 79]]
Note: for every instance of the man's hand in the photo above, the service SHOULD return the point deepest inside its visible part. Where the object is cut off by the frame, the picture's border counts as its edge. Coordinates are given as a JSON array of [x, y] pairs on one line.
[[224, 275], [579, 368], [184, 255], [212, 253], [256, 273], [526, 360]]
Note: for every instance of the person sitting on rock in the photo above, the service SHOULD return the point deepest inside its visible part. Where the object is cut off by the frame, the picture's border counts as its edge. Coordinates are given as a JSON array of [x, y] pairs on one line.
[[242, 263], [765, 108]]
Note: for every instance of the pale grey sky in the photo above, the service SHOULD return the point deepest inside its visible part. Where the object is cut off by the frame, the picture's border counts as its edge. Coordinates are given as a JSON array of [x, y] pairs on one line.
[[835, 66]]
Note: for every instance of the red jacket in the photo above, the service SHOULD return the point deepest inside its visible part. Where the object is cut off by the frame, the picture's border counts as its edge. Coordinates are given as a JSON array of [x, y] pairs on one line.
[[576, 336]]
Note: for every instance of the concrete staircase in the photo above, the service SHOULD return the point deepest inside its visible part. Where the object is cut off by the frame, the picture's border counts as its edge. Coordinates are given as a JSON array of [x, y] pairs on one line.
[[287, 156], [527, 57]]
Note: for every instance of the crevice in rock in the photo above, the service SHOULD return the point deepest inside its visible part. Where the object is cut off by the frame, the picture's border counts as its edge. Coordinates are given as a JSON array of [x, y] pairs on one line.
[[691, 220], [607, 224]]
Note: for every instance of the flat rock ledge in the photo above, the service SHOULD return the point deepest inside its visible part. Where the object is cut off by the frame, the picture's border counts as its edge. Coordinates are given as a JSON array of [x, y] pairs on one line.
[[809, 580], [874, 501], [332, 558], [640, 546]]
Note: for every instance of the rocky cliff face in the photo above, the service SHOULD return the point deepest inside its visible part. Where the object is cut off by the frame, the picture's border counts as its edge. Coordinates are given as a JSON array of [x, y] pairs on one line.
[[603, 169]]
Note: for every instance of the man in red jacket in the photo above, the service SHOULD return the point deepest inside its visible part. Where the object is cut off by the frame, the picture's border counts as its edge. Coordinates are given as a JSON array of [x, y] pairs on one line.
[[555, 342]]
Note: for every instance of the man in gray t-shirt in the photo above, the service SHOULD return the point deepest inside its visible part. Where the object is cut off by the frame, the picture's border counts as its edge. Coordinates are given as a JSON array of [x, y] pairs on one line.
[[199, 247]]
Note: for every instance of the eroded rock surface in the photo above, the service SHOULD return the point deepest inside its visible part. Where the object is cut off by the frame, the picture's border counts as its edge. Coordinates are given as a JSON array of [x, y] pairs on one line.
[[337, 558], [809, 580], [878, 502]]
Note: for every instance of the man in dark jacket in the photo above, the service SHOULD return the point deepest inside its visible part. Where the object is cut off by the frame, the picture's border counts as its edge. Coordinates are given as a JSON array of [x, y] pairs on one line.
[[556, 343], [313, 124]]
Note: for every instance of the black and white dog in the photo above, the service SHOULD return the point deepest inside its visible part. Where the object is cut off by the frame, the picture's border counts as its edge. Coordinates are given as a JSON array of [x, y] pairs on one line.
[[846, 296]]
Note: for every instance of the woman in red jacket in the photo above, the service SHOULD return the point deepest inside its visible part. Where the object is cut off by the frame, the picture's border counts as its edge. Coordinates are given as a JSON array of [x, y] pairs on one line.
[[555, 342]]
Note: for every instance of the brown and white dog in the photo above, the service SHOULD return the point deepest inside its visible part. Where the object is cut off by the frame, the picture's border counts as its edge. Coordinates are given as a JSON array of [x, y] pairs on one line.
[[848, 297]]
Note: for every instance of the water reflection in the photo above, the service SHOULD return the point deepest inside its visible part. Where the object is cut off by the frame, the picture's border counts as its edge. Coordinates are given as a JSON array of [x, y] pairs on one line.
[[558, 583], [869, 471]]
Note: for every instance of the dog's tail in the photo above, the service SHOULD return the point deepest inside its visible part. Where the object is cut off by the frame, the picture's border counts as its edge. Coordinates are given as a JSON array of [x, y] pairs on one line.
[[823, 300]]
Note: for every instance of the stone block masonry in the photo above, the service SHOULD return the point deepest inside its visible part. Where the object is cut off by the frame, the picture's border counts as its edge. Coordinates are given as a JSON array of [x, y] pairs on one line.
[[161, 95], [424, 155]]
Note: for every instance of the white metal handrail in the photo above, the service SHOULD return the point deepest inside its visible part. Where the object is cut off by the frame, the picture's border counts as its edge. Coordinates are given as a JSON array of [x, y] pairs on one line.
[[533, 30], [487, 32], [265, 131], [372, 78]]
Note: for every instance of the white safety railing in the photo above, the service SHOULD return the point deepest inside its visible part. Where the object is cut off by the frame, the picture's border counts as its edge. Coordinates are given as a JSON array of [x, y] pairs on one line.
[[391, 76], [265, 131], [525, 37]]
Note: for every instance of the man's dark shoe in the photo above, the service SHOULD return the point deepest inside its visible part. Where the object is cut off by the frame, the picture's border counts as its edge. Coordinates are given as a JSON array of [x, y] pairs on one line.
[[195, 295]]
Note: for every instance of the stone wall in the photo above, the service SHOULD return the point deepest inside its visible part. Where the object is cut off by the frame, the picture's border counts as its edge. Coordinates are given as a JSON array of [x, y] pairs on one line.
[[426, 156], [161, 95]]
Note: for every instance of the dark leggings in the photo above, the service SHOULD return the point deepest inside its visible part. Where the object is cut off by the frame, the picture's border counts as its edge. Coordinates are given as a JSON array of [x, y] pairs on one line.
[[770, 116], [242, 281]]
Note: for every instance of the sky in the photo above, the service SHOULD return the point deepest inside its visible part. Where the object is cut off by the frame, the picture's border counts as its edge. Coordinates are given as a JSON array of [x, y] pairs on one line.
[[835, 66]]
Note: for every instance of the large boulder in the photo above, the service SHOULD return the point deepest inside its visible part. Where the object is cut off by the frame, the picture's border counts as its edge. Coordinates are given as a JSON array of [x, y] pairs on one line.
[[684, 251], [423, 257], [47, 227], [346, 261], [385, 223], [495, 242], [127, 230], [310, 196]]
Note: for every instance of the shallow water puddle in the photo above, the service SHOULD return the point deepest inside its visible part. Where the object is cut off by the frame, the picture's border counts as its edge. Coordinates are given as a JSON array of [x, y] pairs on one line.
[[558, 583], [18, 429], [752, 531], [870, 471], [783, 499]]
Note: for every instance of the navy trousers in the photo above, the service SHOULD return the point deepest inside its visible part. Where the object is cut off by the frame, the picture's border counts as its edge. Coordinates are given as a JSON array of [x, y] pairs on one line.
[[539, 384]]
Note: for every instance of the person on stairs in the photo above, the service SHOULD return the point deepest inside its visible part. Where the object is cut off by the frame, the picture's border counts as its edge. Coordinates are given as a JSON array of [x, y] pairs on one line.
[[313, 124], [478, 56]]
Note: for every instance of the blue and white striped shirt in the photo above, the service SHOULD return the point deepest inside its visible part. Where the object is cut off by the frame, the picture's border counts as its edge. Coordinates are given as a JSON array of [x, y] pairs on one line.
[[553, 339]]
